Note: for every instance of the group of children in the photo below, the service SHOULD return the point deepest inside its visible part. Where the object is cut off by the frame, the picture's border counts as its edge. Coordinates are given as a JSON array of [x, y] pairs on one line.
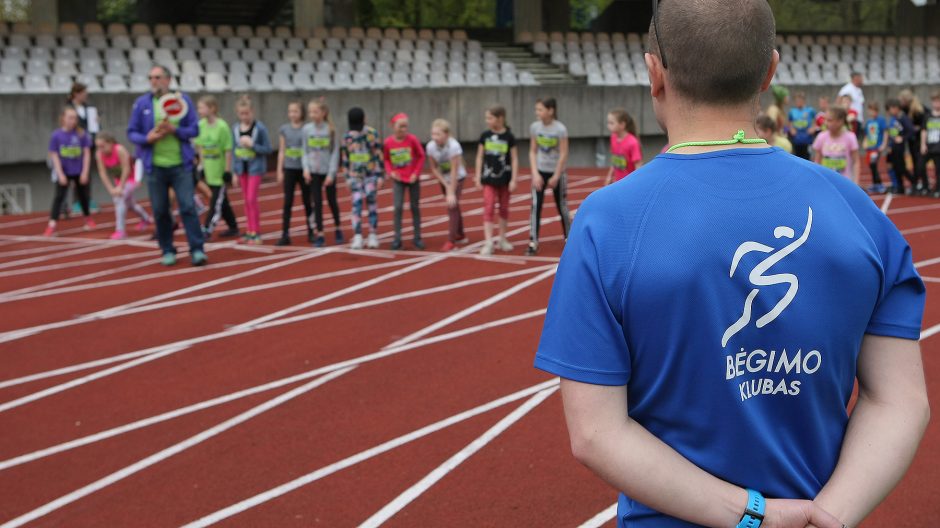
[[837, 137], [312, 156]]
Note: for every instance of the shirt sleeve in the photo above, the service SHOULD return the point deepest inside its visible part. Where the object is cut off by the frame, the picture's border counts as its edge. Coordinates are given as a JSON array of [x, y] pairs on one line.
[[227, 138], [817, 143], [54, 143], [583, 337], [900, 308], [635, 154]]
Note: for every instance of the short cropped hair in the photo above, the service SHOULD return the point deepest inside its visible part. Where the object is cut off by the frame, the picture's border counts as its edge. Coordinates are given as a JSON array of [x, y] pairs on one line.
[[718, 51], [765, 122]]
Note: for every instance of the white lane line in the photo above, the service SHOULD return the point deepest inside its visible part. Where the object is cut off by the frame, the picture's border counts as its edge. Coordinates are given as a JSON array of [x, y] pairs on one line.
[[406, 497], [339, 293], [887, 203], [29, 398], [914, 209], [173, 450], [930, 279], [362, 456], [602, 518], [158, 352], [473, 309], [928, 262], [76, 263], [7, 297], [930, 332], [31, 260], [41, 249], [924, 229], [111, 313], [146, 422]]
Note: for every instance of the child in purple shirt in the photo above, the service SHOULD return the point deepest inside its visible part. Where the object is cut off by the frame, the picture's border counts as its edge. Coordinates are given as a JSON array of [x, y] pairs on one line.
[[70, 152]]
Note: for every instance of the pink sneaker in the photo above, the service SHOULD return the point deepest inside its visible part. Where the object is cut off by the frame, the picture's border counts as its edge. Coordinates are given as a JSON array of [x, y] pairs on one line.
[[90, 224], [118, 235], [143, 225], [50, 231]]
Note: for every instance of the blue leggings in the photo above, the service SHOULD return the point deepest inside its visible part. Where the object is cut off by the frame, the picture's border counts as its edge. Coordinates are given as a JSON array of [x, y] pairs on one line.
[[364, 188]]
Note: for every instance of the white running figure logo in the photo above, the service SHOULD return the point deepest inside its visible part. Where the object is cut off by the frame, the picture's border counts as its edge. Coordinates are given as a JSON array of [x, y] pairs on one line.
[[758, 278]]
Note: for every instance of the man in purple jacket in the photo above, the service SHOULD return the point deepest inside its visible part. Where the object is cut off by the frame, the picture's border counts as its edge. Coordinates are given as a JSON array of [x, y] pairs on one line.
[[163, 146]]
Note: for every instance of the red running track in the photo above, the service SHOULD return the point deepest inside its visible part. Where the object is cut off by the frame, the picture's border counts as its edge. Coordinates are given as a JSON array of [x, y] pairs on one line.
[[302, 387]]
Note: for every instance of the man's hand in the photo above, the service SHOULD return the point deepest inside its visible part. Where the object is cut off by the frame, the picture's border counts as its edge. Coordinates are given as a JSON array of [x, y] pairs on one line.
[[792, 513], [246, 142], [168, 128], [329, 180], [451, 198], [155, 135], [307, 177]]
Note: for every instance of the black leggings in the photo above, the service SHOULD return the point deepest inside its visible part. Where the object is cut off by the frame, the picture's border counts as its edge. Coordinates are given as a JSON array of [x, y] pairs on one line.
[[81, 191], [293, 178], [899, 164], [316, 188], [219, 208], [801, 151], [560, 191]]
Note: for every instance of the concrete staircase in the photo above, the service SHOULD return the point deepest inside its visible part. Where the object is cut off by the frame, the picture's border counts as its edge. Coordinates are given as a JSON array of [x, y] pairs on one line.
[[544, 71]]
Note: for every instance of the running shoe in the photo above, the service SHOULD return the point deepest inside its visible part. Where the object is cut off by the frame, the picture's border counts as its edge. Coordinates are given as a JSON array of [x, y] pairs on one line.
[[283, 241], [255, 240], [396, 245], [319, 241], [357, 242], [206, 233], [143, 224], [463, 241], [419, 245], [50, 231], [505, 245], [448, 246], [199, 258], [876, 189], [230, 232], [340, 237], [118, 235], [90, 224], [532, 250], [311, 237], [168, 259], [487, 249], [373, 242]]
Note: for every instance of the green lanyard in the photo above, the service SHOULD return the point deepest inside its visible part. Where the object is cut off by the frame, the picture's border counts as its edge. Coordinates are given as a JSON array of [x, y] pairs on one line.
[[738, 138]]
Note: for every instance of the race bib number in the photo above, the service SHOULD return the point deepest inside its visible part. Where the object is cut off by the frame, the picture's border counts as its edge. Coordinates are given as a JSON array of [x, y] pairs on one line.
[[318, 142], [801, 124], [400, 157], [618, 162], [933, 131], [445, 166], [244, 153], [836, 164], [294, 152], [496, 147], [211, 152], [547, 142], [360, 157], [70, 152], [894, 132]]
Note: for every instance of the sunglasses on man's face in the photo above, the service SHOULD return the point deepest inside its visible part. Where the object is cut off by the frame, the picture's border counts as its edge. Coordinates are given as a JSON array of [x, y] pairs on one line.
[[152, 77], [659, 40]]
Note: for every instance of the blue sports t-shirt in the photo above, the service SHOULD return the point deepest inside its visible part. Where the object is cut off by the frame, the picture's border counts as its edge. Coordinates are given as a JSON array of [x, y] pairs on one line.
[[730, 291], [801, 119], [875, 133]]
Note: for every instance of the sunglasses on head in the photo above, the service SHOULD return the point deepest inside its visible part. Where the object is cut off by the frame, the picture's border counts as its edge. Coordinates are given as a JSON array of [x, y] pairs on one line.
[[659, 40]]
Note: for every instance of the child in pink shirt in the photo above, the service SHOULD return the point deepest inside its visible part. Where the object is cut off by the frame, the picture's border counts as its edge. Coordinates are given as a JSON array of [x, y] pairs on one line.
[[404, 159], [625, 155], [837, 147]]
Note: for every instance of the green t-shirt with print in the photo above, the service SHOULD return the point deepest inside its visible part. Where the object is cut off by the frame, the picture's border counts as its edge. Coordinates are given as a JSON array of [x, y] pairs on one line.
[[214, 142], [166, 152]]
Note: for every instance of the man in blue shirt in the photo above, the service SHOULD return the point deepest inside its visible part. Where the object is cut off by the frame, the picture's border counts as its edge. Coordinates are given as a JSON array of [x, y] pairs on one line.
[[801, 125], [164, 147], [711, 313]]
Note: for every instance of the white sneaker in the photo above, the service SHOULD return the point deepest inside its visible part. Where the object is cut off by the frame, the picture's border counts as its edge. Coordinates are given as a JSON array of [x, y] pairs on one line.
[[487, 249], [463, 241], [373, 242], [505, 245], [357, 242]]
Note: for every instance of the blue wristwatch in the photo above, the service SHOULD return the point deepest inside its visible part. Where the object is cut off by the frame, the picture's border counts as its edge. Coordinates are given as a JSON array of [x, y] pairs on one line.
[[754, 511]]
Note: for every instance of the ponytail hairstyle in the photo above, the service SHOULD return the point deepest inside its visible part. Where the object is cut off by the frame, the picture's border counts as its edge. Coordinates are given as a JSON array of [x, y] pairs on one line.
[[327, 116], [629, 124], [551, 104], [77, 88]]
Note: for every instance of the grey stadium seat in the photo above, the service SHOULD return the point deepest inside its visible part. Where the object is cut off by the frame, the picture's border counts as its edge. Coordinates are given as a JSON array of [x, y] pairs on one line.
[[281, 81], [381, 80], [64, 67], [12, 67], [260, 81], [302, 81], [238, 82], [113, 83], [10, 84], [91, 81], [60, 83], [119, 67], [35, 84], [251, 55], [261, 67], [323, 80], [343, 80]]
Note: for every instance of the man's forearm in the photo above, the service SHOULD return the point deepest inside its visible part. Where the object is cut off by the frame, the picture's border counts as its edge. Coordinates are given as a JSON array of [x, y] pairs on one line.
[[878, 448]]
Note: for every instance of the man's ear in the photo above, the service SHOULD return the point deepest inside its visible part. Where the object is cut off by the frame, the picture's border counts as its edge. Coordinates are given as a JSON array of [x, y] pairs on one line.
[[769, 78], [656, 73]]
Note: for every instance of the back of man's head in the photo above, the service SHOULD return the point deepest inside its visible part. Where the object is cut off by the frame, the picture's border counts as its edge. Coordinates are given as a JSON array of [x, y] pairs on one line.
[[718, 52]]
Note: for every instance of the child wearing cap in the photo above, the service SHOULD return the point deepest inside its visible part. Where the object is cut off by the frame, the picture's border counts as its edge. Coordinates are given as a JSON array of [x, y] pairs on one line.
[[404, 159]]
